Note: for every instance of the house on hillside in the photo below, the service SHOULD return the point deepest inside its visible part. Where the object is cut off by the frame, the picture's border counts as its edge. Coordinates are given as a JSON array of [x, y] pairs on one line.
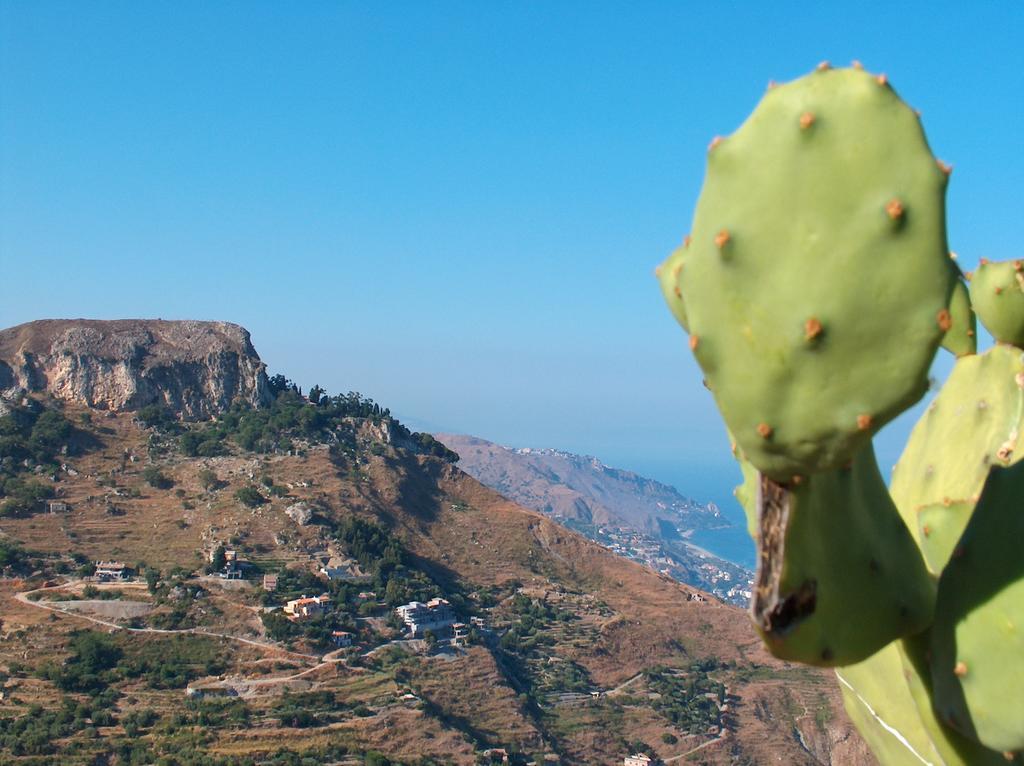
[[109, 571], [436, 616], [341, 638], [341, 569], [57, 506], [232, 566], [304, 607], [269, 582], [460, 634], [640, 759]]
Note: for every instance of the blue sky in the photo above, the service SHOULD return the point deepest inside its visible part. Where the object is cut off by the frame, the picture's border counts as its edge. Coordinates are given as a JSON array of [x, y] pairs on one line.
[[454, 208]]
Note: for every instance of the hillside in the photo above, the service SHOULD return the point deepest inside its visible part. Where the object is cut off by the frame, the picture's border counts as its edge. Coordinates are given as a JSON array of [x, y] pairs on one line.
[[636, 517], [574, 654]]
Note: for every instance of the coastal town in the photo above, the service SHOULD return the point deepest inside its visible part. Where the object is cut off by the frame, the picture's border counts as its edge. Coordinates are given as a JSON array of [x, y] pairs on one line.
[[677, 558]]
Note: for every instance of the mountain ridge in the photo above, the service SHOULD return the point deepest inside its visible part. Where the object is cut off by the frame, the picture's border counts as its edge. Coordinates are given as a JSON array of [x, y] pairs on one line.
[[638, 502]]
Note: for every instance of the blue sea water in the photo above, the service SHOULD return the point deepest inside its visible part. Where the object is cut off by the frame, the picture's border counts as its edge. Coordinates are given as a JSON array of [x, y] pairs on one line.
[[705, 483]]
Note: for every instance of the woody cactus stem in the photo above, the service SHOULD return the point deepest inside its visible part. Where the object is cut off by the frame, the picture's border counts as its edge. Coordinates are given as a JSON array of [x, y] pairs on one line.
[[816, 286]]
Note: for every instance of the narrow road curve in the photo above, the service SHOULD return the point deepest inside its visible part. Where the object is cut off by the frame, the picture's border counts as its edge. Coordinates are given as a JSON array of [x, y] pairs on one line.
[[618, 689], [23, 597], [701, 746]]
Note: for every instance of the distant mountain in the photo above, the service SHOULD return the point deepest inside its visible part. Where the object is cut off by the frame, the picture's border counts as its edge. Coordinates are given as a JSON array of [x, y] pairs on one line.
[[580, 487], [637, 517]]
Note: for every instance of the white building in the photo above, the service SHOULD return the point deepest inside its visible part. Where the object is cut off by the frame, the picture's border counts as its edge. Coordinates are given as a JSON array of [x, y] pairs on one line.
[[436, 615], [111, 570], [639, 759]]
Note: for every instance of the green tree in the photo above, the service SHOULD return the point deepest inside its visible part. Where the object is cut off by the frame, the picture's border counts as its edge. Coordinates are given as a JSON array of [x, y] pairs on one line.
[[152, 579], [218, 560], [249, 496], [208, 480], [156, 478]]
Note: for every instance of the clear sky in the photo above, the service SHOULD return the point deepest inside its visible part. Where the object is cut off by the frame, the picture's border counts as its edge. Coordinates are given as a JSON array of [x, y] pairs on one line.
[[454, 208]]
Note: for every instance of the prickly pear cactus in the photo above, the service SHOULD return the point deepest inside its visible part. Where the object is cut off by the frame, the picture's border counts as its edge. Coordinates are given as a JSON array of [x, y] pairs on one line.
[[887, 698], [816, 289], [818, 245], [960, 339], [839, 575], [977, 642], [997, 292], [979, 415], [668, 277]]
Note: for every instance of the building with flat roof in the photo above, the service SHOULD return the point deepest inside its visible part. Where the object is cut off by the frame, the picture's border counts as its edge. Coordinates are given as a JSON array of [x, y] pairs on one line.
[[111, 570], [640, 759], [436, 616]]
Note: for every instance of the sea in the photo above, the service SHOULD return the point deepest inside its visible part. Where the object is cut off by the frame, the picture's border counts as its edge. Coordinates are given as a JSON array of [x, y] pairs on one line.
[[712, 477], [706, 483]]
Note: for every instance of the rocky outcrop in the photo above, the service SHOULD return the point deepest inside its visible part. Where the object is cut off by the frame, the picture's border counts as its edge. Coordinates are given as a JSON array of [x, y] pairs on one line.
[[196, 369]]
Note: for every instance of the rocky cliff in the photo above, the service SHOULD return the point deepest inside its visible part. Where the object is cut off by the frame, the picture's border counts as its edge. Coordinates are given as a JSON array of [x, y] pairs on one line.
[[196, 369]]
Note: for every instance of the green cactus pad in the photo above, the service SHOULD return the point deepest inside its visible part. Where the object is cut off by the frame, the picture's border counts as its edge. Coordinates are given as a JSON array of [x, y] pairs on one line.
[[961, 337], [977, 641], [953, 747], [817, 270], [838, 574], [669, 274], [939, 527], [997, 292], [877, 698], [887, 699], [746, 494], [974, 423]]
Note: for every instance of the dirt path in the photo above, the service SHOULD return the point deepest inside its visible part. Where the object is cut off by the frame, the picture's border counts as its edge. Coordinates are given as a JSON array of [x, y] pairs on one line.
[[23, 597], [701, 746], [618, 689]]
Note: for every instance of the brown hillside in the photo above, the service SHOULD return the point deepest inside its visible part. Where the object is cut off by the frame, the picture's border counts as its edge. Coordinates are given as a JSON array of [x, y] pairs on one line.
[[614, 621]]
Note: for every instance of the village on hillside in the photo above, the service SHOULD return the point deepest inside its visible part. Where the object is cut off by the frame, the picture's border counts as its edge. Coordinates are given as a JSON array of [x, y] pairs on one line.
[[309, 579]]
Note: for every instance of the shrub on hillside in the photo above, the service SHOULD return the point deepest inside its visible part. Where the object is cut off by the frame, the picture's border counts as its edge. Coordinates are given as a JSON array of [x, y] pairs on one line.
[[156, 478], [249, 496]]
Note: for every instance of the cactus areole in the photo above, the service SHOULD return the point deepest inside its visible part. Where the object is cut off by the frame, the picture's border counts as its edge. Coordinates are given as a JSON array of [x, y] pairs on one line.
[[817, 272]]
